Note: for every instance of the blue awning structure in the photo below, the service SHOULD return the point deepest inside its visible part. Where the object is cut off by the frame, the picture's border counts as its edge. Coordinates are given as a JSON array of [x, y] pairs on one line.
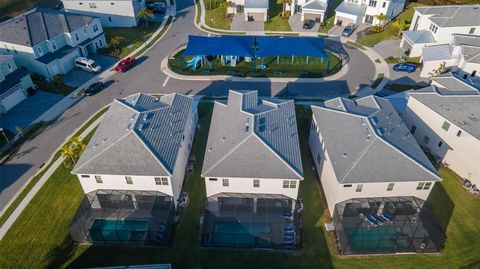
[[255, 46]]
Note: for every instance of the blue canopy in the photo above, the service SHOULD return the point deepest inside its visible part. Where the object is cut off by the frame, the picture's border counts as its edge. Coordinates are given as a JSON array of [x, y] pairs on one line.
[[266, 46]]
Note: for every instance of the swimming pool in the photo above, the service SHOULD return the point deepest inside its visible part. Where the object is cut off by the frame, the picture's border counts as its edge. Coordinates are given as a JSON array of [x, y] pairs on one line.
[[119, 231], [377, 239], [237, 234]]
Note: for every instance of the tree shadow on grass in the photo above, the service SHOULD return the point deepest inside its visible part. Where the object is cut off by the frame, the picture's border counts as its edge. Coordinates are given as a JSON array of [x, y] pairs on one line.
[[58, 256]]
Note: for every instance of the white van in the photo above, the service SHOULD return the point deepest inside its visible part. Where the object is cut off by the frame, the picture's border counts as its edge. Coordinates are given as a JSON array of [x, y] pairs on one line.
[[87, 65]]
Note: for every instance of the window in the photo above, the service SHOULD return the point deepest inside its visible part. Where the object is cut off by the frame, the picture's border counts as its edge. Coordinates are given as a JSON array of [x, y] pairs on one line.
[[384, 4], [80, 3], [359, 188], [112, 3], [92, 5], [109, 19], [413, 129], [9, 66], [161, 181], [76, 37], [445, 126], [318, 158], [292, 184], [347, 185], [54, 45], [420, 185], [440, 144], [426, 139], [286, 184], [95, 28], [100, 42], [427, 185], [459, 133], [225, 182], [390, 186], [85, 176], [433, 28], [472, 30], [372, 3], [129, 180], [84, 30], [212, 179], [39, 50], [98, 179], [256, 183]]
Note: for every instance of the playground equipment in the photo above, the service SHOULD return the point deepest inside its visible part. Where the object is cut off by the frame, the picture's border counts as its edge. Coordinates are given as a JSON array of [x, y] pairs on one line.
[[193, 63], [229, 59]]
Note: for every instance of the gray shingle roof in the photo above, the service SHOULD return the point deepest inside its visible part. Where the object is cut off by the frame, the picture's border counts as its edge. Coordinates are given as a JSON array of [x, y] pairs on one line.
[[437, 53], [139, 135], [449, 83], [419, 37], [253, 138], [367, 142], [40, 25], [461, 108], [453, 16], [316, 5], [470, 40]]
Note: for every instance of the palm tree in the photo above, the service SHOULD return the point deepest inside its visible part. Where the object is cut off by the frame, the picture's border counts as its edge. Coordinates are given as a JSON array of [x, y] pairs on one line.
[[401, 25], [73, 149], [284, 4], [382, 19], [115, 41], [145, 13]]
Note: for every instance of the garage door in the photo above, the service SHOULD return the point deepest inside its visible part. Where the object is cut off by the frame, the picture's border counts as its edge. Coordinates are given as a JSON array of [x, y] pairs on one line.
[[68, 62], [257, 16], [13, 99]]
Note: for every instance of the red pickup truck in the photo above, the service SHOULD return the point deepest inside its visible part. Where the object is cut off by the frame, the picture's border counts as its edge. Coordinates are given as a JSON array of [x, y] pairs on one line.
[[125, 64]]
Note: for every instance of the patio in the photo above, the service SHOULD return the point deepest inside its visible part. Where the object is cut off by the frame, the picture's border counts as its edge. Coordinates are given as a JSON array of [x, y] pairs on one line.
[[386, 225], [123, 217], [250, 220]]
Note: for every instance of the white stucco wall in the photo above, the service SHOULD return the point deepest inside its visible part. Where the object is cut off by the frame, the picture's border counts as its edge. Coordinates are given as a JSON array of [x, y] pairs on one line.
[[461, 154], [430, 66]]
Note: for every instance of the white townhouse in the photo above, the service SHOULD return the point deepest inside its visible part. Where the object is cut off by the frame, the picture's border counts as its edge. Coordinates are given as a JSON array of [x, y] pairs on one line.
[[253, 152], [364, 11], [256, 10], [461, 56], [363, 150], [433, 25], [142, 144], [445, 119], [14, 83], [309, 9], [112, 13], [47, 42]]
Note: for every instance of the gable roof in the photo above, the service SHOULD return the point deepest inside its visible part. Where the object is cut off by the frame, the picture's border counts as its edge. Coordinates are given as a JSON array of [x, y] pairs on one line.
[[367, 142], [253, 138], [419, 37], [459, 106], [35, 27], [452, 16], [315, 5], [437, 52], [139, 135]]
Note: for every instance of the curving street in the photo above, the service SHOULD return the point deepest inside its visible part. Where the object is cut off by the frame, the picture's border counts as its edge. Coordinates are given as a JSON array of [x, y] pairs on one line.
[[148, 77]]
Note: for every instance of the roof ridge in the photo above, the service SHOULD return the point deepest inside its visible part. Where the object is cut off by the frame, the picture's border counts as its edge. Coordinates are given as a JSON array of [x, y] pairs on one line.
[[358, 159], [151, 152]]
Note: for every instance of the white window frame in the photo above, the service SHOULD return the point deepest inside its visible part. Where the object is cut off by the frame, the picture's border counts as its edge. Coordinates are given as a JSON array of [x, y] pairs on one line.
[[225, 182], [392, 186], [129, 180], [99, 179], [256, 183]]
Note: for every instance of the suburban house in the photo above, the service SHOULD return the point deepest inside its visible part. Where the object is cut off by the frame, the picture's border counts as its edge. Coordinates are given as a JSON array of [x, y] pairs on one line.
[[437, 25], [462, 56], [445, 119], [47, 42], [133, 168], [14, 83], [252, 170], [375, 177], [253, 10], [309, 9], [117, 13], [364, 11]]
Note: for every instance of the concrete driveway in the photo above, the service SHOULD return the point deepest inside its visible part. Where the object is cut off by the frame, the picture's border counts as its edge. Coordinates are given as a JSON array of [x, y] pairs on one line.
[[239, 24], [297, 25], [76, 77]]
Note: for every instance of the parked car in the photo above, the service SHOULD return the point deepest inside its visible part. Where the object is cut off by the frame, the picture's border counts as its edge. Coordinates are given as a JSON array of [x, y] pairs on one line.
[[308, 24], [94, 89], [157, 7], [87, 65], [349, 29], [125, 64], [406, 67]]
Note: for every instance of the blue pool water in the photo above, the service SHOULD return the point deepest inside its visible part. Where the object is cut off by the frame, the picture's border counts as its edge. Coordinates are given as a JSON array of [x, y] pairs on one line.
[[377, 239], [121, 231], [237, 234]]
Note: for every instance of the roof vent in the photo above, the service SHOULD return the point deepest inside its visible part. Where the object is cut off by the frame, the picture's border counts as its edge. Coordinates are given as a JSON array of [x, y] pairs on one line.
[[209, 149], [344, 155], [104, 140], [223, 138]]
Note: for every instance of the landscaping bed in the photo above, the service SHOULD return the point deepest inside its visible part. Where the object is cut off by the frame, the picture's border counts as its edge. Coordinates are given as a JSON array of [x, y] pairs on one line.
[[277, 22], [314, 69]]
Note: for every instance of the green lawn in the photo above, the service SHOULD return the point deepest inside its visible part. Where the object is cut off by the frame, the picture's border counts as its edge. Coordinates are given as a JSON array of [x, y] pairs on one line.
[[285, 68], [275, 22], [330, 16], [133, 37], [55, 87], [215, 18], [377, 81], [389, 32], [39, 238], [14, 7]]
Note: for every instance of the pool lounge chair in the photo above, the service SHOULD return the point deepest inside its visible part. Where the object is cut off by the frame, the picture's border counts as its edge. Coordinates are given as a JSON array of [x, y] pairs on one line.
[[371, 220], [288, 232], [291, 241], [387, 216], [288, 216], [289, 237], [379, 219], [290, 246]]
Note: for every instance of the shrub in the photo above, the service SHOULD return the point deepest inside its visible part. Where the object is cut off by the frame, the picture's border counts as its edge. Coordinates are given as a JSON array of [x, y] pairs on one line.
[[377, 28]]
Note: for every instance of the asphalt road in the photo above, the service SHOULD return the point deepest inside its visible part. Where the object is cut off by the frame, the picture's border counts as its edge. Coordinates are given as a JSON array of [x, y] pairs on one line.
[[147, 77]]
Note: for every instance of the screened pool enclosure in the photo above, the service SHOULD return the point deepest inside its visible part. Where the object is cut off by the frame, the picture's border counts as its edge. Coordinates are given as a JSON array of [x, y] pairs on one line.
[[386, 225], [123, 217]]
